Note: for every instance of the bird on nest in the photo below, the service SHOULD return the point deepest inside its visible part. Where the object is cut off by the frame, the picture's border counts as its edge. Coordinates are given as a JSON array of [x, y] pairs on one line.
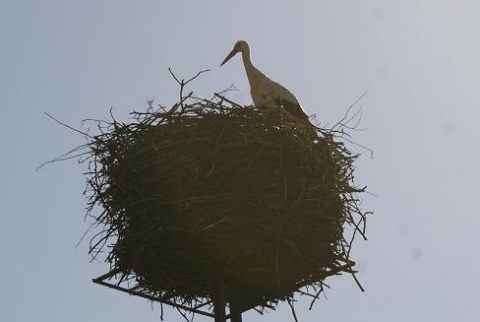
[[266, 94]]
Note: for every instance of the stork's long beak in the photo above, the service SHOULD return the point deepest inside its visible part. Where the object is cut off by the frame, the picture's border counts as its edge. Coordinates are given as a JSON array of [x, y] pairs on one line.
[[230, 55]]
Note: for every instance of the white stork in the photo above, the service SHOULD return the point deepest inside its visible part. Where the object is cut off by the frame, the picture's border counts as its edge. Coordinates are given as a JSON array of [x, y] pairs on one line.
[[266, 93]]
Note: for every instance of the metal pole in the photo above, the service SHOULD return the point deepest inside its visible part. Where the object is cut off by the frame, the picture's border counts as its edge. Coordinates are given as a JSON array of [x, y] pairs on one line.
[[235, 313], [219, 311], [219, 302]]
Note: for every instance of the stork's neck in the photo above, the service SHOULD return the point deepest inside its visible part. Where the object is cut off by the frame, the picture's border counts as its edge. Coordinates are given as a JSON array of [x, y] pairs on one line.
[[253, 73]]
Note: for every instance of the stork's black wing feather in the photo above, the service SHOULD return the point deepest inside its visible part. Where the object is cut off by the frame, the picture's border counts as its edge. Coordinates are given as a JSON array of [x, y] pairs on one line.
[[293, 108]]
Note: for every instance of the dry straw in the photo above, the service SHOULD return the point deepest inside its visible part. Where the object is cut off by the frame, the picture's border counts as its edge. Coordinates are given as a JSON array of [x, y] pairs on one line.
[[215, 199]]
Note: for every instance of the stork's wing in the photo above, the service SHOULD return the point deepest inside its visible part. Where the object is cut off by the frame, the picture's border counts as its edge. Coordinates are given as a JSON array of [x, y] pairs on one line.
[[294, 108], [289, 102]]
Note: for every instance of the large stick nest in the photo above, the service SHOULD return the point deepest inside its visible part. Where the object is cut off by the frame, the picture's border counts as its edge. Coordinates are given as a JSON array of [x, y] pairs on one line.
[[211, 192]]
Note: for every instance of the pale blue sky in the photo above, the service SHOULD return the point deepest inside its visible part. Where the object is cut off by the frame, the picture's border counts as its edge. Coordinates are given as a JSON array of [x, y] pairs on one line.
[[420, 59]]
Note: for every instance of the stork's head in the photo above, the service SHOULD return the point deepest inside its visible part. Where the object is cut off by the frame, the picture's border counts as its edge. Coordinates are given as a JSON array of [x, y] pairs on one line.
[[241, 46]]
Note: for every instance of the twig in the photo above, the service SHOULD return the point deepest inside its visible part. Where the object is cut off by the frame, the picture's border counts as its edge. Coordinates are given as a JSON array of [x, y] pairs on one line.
[[317, 295], [229, 101], [356, 280], [198, 74], [68, 126], [182, 84], [184, 315], [350, 107], [67, 156], [292, 309]]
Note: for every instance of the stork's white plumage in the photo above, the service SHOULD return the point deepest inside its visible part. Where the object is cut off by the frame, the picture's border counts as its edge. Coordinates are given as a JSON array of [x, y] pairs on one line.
[[265, 92]]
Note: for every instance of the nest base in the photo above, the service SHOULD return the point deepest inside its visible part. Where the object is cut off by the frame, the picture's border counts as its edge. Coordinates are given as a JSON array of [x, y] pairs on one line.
[[205, 306]]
